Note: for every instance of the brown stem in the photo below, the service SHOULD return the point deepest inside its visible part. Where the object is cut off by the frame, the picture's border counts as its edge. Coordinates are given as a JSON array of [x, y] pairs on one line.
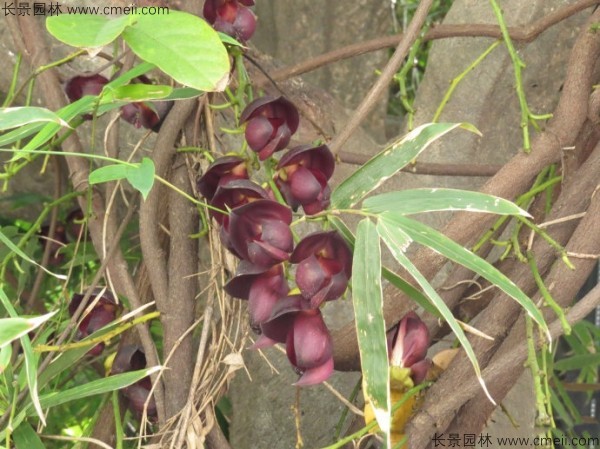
[[512, 180], [518, 34], [428, 168], [388, 72], [177, 313]]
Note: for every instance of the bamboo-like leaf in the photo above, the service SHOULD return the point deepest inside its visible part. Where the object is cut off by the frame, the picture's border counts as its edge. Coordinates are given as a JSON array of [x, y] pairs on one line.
[[14, 248], [136, 92], [26, 438], [19, 116], [5, 355], [95, 387], [393, 278], [414, 201], [437, 241], [13, 328], [577, 362], [389, 162], [367, 298], [398, 241]]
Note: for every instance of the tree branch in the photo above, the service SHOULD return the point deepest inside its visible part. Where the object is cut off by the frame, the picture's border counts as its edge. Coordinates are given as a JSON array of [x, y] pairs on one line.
[[518, 34], [388, 72]]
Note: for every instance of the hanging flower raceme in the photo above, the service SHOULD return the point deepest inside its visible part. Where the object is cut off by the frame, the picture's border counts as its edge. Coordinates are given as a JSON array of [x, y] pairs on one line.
[[303, 175], [307, 340], [260, 232], [270, 123], [231, 17], [132, 358], [104, 311], [324, 266], [220, 172], [262, 287]]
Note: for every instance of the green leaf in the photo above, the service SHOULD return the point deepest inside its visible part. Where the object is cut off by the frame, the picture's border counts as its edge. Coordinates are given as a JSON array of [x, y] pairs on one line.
[[183, 46], [13, 117], [389, 162], [99, 386], [86, 30], [415, 201], [13, 328], [437, 241], [113, 172], [577, 362], [31, 365], [367, 298], [141, 177], [136, 92], [227, 39], [26, 438], [393, 278], [398, 242], [5, 355]]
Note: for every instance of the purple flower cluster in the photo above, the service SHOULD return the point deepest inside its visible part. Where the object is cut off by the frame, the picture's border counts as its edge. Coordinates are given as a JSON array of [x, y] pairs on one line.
[[256, 228]]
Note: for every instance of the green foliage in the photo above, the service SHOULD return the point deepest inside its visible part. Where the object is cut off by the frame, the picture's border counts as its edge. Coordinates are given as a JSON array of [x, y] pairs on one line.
[[14, 117], [367, 297], [140, 176]]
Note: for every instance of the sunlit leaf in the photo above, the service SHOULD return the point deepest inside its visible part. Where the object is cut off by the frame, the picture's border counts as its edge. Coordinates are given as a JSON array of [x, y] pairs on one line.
[[19, 116], [398, 242], [437, 241], [86, 30], [389, 162], [414, 201], [136, 92], [367, 298], [183, 46], [141, 177], [13, 328]]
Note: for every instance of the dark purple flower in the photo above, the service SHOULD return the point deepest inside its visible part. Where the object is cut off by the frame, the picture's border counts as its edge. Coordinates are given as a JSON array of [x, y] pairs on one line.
[[132, 358], [220, 172], [235, 193], [147, 115], [58, 241], [324, 266], [303, 175], [80, 86], [408, 342], [262, 287], [270, 123], [307, 340], [260, 232], [104, 311], [229, 17]]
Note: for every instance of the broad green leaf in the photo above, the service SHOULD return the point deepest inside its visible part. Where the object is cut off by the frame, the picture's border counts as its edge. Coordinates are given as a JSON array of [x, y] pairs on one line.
[[95, 387], [398, 242], [577, 362], [367, 298], [183, 46], [393, 278], [437, 241], [86, 30], [113, 172], [183, 93], [5, 355], [389, 162], [136, 92], [25, 437], [13, 117], [415, 201], [13, 328], [141, 177]]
